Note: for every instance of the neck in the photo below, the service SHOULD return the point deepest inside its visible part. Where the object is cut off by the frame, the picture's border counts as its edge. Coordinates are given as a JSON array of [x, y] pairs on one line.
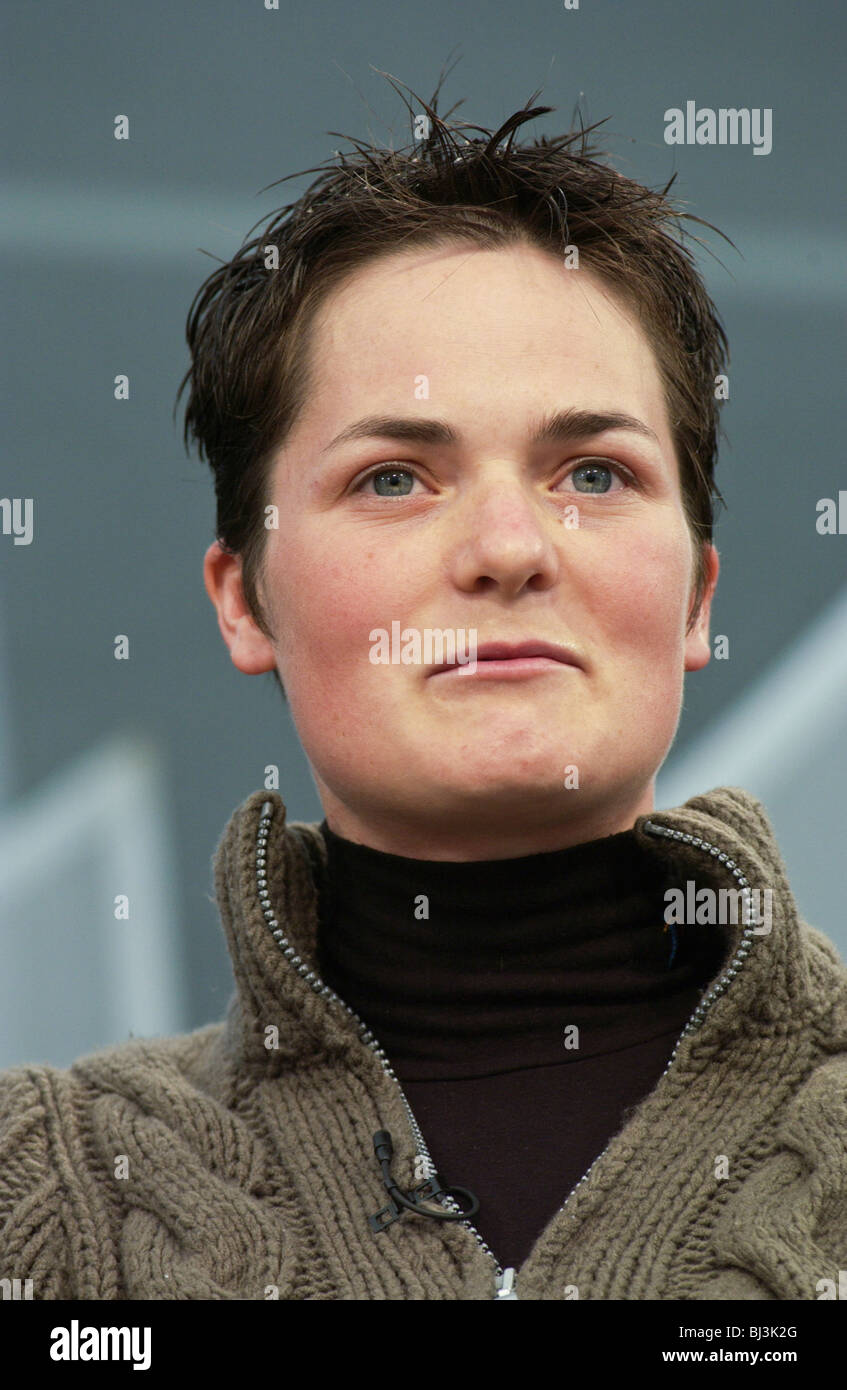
[[498, 829]]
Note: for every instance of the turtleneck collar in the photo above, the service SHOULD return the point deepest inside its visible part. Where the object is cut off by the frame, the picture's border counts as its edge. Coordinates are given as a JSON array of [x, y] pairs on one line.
[[468, 968], [278, 984]]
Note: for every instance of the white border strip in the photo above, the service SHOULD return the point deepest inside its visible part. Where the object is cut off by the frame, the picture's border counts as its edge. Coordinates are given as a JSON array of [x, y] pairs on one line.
[[795, 263], [768, 733], [111, 799]]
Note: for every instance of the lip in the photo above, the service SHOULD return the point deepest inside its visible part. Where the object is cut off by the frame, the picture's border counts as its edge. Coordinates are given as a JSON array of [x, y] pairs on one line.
[[512, 659]]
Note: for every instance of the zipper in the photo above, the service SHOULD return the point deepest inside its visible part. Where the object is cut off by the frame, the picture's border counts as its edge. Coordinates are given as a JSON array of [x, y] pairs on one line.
[[504, 1279]]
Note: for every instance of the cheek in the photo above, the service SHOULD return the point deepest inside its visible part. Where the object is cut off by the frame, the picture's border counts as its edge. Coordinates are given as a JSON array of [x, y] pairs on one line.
[[327, 607], [639, 593]]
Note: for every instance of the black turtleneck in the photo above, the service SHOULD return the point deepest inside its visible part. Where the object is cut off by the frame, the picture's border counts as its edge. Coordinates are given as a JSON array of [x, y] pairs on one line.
[[479, 978]]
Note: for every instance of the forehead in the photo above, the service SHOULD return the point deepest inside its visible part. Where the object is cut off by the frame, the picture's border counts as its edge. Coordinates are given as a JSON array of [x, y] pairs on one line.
[[518, 293], [479, 326]]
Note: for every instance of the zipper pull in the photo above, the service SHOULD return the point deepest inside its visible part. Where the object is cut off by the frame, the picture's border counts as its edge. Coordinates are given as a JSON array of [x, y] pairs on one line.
[[505, 1284]]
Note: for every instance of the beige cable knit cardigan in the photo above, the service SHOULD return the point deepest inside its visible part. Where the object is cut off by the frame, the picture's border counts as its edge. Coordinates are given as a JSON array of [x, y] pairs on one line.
[[237, 1161]]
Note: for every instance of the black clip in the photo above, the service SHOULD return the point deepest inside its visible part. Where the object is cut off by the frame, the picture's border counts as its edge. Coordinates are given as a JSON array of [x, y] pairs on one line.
[[428, 1190]]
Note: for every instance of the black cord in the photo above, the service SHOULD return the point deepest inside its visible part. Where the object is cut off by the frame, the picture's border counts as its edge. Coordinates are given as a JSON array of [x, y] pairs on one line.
[[411, 1201]]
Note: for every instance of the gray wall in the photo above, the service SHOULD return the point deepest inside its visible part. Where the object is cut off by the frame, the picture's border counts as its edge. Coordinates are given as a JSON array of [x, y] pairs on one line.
[[100, 249]]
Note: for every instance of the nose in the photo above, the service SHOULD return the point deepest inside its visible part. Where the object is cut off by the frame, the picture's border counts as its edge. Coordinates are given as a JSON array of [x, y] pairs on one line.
[[505, 537]]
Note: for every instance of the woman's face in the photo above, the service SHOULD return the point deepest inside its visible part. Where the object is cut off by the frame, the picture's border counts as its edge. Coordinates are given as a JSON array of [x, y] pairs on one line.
[[579, 541]]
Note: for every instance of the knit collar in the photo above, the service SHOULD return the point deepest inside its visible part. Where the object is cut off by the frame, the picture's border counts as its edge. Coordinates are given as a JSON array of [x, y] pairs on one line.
[[282, 1015]]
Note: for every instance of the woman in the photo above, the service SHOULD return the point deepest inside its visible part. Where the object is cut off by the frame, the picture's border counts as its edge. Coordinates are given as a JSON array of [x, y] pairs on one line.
[[500, 1029]]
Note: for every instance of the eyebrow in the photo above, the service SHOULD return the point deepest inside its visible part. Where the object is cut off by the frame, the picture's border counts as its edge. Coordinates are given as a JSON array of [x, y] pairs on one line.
[[560, 427]]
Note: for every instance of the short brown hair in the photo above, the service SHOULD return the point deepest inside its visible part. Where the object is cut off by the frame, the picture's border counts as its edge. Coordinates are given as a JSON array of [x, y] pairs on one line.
[[249, 326]]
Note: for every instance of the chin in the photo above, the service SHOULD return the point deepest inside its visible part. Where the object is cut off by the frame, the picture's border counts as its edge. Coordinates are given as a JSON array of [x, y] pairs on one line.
[[501, 780]]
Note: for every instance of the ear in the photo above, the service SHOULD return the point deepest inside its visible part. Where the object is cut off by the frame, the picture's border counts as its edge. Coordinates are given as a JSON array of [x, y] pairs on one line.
[[248, 646], [697, 648]]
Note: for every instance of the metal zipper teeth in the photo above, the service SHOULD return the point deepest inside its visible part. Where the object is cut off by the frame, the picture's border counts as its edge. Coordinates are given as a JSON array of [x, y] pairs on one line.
[[367, 1036], [721, 985], [314, 980]]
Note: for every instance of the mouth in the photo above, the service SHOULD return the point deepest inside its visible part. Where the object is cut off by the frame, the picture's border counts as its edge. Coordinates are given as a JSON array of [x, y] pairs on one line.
[[512, 659]]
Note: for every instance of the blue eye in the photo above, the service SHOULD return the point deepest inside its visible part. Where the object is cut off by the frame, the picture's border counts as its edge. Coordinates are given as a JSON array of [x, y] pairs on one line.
[[394, 474], [596, 475]]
